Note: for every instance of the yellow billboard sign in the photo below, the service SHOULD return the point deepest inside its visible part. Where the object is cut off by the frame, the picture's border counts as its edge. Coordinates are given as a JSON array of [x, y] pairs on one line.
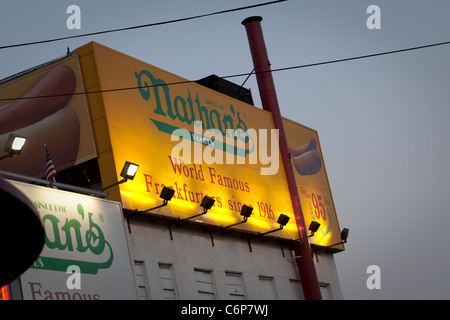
[[312, 183], [187, 137]]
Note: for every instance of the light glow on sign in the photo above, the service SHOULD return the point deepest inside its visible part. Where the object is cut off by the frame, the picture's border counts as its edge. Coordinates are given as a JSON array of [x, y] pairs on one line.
[[198, 142], [234, 168]]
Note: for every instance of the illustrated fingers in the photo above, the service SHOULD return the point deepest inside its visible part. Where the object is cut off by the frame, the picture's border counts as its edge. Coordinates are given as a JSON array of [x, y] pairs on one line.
[[54, 90]]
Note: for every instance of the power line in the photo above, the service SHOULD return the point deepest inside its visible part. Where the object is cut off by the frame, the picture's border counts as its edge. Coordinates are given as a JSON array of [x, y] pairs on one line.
[[364, 56], [242, 74], [141, 26]]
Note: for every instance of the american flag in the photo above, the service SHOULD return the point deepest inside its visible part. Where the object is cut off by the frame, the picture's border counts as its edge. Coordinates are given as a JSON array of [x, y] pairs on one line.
[[50, 168]]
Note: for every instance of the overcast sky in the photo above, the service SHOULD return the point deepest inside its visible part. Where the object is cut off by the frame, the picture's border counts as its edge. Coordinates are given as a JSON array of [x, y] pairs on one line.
[[382, 121]]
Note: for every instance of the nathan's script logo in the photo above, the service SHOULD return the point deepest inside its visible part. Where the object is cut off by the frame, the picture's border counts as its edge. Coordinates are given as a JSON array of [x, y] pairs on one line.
[[225, 129], [82, 239], [182, 109]]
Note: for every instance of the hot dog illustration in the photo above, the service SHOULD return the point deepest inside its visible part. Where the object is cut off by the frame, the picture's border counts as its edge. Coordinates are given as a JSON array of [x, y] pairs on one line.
[[54, 90], [306, 159], [43, 117]]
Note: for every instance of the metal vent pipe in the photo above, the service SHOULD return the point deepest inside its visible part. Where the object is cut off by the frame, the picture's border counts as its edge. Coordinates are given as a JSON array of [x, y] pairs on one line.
[[304, 258]]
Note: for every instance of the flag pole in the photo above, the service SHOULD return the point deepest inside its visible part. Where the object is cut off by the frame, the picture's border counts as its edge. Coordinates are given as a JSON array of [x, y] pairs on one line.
[[50, 171]]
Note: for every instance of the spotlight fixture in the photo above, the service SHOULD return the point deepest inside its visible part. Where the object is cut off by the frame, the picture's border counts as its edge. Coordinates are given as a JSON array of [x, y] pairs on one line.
[[313, 227], [166, 194], [246, 212], [206, 204], [14, 145], [282, 221], [344, 236], [128, 172]]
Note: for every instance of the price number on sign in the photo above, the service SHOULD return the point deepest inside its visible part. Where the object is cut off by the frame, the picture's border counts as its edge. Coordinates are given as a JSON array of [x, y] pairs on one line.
[[319, 208], [265, 210]]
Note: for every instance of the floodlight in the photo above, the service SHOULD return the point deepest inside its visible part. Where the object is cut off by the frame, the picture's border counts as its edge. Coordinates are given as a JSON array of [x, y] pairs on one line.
[[313, 227], [207, 203], [344, 236], [283, 220], [17, 144], [14, 145], [246, 211], [167, 194], [128, 172]]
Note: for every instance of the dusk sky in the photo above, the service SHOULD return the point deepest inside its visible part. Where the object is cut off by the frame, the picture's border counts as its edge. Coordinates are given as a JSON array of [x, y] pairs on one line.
[[383, 122]]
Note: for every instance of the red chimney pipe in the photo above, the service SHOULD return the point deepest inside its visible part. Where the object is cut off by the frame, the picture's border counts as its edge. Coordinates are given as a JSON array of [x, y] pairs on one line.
[[305, 263]]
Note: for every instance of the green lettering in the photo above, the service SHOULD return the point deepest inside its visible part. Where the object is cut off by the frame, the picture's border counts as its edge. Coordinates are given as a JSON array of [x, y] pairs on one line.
[[76, 226], [144, 90], [42, 205], [95, 238], [202, 111], [56, 244], [183, 110], [182, 117], [216, 114]]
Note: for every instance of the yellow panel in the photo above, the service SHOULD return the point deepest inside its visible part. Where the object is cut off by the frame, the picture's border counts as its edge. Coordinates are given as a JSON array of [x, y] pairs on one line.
[[312, 183], [140, 123], [99, 121]]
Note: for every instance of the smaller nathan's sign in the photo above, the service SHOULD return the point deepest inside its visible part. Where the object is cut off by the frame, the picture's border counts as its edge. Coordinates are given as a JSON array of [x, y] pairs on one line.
[[86, 255]]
